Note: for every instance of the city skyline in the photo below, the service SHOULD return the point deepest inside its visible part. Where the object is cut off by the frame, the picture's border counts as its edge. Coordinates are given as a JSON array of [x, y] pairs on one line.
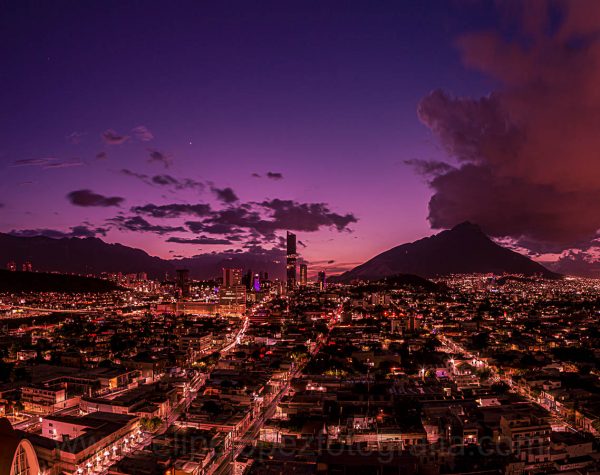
[[309, 237]]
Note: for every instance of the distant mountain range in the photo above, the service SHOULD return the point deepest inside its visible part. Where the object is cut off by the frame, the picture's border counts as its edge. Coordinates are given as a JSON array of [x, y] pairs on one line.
[[464, 249], [45, 282], [460, 250], [94, 256], [79, 255]]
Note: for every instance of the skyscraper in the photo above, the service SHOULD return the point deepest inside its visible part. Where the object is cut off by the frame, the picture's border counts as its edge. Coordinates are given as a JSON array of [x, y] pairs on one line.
[[231, 277], [183, 282], [291, 261], [303, 275], [321, 280]]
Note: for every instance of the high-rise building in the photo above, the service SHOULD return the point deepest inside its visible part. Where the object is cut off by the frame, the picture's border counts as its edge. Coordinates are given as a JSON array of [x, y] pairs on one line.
[[322, 280], [256, 283], [291, 261], [11, 266], [27, 266], [231, 277], [303, 275], [183, 282]]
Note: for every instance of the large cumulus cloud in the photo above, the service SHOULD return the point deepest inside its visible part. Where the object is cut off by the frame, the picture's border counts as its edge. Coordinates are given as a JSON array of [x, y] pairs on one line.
[[527, 156]]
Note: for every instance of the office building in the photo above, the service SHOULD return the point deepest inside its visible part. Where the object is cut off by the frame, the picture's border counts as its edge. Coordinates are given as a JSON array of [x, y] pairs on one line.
[[291, 261], [183, 282], [321, 280], [303, 275], [232, 277]]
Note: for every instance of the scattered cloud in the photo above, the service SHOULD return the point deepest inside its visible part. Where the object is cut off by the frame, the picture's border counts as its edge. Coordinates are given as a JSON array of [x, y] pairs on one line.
[[47, 163], [82, 231], [288, 214], [139, 224], [111, 137], [142, 133], [140, 176], [101, 156], [160, 157], [32, 162], [267, 217], [200, 227], [174, 210], [202, 240], [64, 164], [165, 180], [88, 198], [269, 175], [226, 195], [178, 184], [577, 263]]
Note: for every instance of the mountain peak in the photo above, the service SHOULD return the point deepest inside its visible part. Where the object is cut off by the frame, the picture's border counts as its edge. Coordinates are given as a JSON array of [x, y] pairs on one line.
[[467, 226], [464, 249]]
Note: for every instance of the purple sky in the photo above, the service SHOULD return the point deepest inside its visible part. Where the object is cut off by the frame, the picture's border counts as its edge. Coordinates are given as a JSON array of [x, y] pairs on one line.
[[210, 93]]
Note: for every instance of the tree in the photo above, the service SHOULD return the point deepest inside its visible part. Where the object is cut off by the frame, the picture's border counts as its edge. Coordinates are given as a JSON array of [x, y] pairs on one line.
[[150, 424]]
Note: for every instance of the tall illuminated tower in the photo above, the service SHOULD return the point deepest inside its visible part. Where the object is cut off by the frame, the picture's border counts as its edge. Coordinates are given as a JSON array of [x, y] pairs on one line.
[[303, 275], [291, 261]]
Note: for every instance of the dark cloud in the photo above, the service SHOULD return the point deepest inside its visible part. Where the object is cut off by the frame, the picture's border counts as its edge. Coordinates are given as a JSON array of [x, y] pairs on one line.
[[89, 198], [160, 157], [202, 240], [198, 227], [111, 137], [142, 133], [174, 210], [139, 224], [274, 215], [32, 162], [101, 156], [64, 164], [140, 176], [226, 195], [274, 175], [288, 214], [240, 217], [256, 175], [76, 231], [527, 154], [178, 184], [86, 231], [165, 180], [47, 163]]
